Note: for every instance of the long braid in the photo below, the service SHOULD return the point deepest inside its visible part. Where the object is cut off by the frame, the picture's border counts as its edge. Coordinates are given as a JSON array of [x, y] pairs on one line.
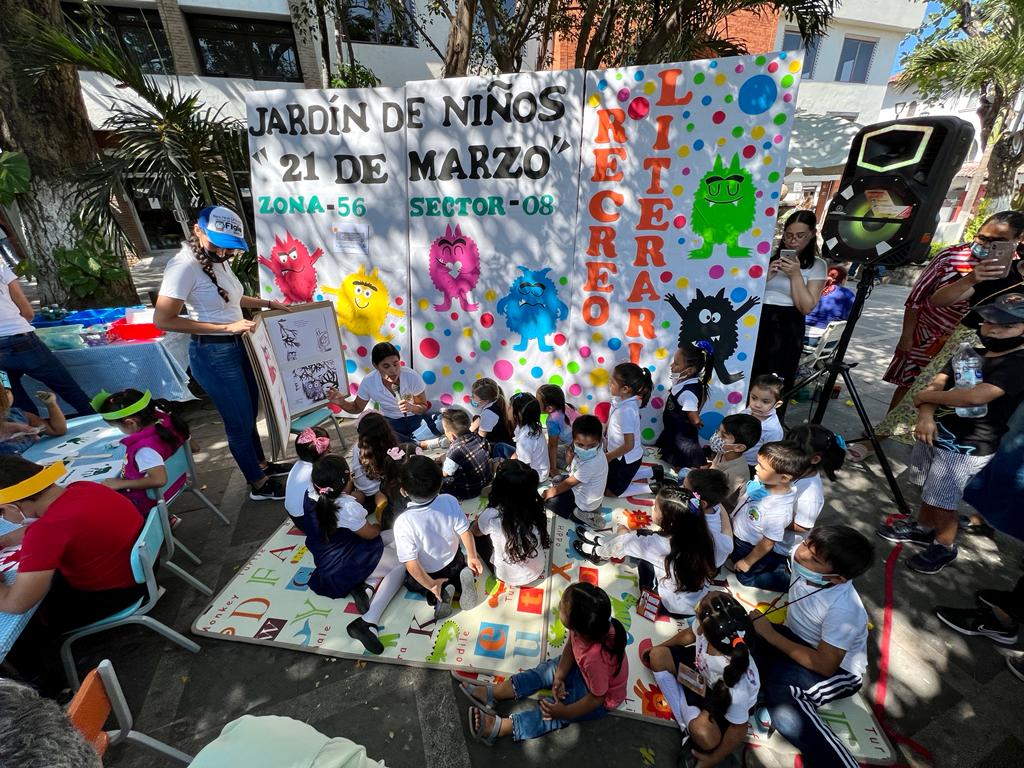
[[200, 253]]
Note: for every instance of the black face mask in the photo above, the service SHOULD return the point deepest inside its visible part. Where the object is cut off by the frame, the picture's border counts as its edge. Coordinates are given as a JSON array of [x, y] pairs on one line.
[[992, 344], [215, 258]]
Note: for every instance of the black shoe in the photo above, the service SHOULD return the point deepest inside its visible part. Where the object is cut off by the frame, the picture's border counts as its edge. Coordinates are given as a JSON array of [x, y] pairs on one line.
[[977, 622], [361, 595], [933, 559], [975, 529], [995, 598], [359, 629], [904, 532], [270, 490], [275, 468], [591, 556]]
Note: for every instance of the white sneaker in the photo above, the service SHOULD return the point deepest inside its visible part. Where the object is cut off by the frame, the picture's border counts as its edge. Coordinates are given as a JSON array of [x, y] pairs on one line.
[[590, 519], [470, 598]]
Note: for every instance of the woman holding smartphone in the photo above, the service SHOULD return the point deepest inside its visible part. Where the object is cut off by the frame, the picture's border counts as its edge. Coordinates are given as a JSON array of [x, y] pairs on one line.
[[796, 275]]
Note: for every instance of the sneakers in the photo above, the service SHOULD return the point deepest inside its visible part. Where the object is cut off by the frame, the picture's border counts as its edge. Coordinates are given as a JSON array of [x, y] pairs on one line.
[[275, 468], [443, 609], [436, 442], [470, 597], [995, 598], [590, 519], [977, 622], [975, 529], [1016, 666], [933, 559], [904, 532], [272, 490], [361, 630]]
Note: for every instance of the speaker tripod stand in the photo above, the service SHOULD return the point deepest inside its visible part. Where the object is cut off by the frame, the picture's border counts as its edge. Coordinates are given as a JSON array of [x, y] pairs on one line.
[[837, 367]]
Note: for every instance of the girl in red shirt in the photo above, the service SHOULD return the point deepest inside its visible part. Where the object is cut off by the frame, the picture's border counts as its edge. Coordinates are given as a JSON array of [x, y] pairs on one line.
[[587, 681]]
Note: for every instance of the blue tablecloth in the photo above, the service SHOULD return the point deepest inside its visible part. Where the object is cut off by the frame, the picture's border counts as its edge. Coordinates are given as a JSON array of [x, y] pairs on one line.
[[12, 625], [159, 366]]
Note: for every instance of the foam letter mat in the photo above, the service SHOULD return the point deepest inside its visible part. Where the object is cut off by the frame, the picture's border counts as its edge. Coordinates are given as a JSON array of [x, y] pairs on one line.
[[268, 602]]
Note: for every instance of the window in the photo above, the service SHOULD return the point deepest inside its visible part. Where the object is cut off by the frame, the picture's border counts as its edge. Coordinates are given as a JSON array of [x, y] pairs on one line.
[[231, 47], [855, 60], [141, 33], [791, 41], [375, 21]]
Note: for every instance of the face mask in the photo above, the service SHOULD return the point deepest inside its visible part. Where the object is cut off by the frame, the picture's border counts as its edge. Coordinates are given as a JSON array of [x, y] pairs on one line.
[[214, 258], [992, 344], [813, 577], [717, 443], [979, 251], [474, 403], [585, 454], [6, 526], [756, 490]]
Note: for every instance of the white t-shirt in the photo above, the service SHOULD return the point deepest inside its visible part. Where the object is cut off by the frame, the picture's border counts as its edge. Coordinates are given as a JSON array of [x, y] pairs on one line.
[[295, 487], [361, 482], [777, 291], [624, 419], [184, 279], [147, 459], [430, 532], [654, 549], [687, 400], [11, 321], [723, 544], [350, 513], [771, 431], [593, 477], [533, 450], [712, 668], [764, 519], [372, 389], [513, 574], [810, 499], [835, 615]]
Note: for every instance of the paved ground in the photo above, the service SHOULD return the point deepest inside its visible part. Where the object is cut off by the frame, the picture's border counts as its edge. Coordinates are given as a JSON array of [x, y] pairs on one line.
[[951, 693]]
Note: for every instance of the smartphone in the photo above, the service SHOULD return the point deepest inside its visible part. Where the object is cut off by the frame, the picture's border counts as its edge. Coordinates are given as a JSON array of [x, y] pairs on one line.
[[787, 254], [1002, 251]]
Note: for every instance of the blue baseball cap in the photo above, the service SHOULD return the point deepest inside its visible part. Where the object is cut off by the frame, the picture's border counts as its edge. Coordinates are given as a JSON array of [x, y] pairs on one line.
[[223, 226]]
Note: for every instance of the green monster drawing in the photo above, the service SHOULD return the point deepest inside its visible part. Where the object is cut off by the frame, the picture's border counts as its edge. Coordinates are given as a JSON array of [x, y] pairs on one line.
[[448, 633], [723, 209], [556, 630], [621, 609]]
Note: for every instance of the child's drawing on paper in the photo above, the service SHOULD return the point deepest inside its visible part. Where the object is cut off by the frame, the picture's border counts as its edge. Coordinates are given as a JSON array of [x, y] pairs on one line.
[[315, 379]]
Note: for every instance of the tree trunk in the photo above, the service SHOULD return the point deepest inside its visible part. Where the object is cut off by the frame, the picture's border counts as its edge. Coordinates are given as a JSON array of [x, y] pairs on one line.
[[47, 121], [460, 40], [970, 196], [1002, 173]]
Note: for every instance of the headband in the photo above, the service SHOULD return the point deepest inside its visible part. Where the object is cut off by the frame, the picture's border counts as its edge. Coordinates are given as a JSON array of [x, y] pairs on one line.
[[320, 444], [737, 641], [41, 480], [141, 404], [324, 490], [840, 441]]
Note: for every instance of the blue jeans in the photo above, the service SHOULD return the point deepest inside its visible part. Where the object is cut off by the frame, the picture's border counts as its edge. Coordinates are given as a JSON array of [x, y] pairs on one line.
[[502, 450], [996, 491], [25, 354], [765, 573], [793, 694], [531, 724], [224, 371], [416, 427]]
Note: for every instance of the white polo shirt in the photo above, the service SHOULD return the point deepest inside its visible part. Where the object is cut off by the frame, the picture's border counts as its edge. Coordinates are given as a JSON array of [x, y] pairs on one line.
[[810, 499], [430, 532], [296, 486], [593, 477], [624, 419], [372, 389], [835, 615], [764, 519], [654, 549], [771, 431], [533, 450], [513, 574]]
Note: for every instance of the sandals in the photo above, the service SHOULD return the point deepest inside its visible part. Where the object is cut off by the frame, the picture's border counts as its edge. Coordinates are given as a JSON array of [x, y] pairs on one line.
[[591, 556], [477, 728], [466, 686]]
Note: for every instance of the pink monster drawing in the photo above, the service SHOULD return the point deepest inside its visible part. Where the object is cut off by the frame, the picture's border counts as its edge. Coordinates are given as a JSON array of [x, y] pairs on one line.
[[292, 265], [454, 268]]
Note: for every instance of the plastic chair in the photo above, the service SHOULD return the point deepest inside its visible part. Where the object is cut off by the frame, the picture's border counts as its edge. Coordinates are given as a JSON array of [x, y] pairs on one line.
[[101, 695], [826, 346], [315, 419], [144, 555]]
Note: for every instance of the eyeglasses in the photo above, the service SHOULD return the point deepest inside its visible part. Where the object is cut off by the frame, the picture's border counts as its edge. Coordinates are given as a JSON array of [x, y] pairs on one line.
[[983, 240], [798, 237]]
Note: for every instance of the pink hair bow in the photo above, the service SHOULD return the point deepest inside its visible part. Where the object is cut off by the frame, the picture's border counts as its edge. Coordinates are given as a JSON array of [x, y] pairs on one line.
[[320, 444], [325, 490], [396, 453]]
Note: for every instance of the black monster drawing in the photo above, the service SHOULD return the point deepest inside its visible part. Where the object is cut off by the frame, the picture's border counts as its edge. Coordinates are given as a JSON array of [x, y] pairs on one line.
[[712, 318], [289, 336]]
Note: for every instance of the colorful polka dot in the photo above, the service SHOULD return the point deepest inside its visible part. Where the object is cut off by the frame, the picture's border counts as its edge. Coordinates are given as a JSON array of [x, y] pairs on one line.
[[429, 348], [503, 370]]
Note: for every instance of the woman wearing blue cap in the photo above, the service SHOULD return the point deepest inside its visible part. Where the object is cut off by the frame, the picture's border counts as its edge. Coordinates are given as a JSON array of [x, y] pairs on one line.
[[199, 277]]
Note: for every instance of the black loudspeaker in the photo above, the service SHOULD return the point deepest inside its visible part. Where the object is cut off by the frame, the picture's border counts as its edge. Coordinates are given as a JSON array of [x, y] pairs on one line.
[[892, 188]]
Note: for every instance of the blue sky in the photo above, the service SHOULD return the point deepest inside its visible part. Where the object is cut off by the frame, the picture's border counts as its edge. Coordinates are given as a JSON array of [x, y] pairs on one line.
[[910, 42]]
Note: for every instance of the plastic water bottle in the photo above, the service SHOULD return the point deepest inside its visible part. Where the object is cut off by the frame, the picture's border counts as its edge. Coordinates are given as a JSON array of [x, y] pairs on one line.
[[967, 374]]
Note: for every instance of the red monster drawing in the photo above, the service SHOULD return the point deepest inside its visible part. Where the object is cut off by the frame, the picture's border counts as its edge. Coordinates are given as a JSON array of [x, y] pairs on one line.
[[636, 519], [292, 265], [652, 700]]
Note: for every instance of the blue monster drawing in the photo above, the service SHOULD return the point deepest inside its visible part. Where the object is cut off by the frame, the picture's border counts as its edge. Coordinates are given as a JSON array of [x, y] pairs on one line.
[[532, 308]]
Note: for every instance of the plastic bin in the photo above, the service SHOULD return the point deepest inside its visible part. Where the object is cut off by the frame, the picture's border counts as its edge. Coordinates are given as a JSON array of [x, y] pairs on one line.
[[62, 337], [39, 322], [122, 330], [88, 317]]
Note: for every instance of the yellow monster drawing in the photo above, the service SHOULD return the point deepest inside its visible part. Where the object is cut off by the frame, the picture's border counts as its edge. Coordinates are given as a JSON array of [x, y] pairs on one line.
[[363, 303]]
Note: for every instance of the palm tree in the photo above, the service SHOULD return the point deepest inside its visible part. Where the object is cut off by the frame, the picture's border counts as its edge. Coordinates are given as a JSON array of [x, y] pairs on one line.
[[978, 53], [184, 149]]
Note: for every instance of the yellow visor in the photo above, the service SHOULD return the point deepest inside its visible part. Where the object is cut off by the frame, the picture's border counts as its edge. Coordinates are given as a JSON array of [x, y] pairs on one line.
[[33, 485]]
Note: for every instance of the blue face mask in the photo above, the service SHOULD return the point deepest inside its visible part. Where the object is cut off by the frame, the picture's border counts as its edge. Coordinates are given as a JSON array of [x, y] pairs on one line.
[[805, 573], [756, 490], [474, 403], [979, 251], [585, 454]]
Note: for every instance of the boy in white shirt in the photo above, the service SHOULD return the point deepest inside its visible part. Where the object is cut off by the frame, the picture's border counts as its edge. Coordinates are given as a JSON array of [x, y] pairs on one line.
[[820, 654], [764, 511], [427, 539], [588, 475], [762, 402]]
